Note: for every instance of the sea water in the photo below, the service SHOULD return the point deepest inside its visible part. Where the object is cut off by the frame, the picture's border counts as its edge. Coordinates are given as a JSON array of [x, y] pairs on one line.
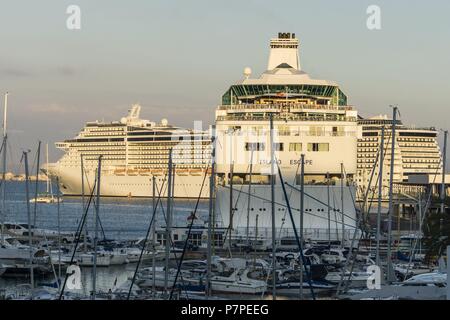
[[120, 219]]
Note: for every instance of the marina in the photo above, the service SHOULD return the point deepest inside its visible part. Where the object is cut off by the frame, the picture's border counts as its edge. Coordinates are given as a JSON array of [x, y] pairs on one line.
[[290, 194]]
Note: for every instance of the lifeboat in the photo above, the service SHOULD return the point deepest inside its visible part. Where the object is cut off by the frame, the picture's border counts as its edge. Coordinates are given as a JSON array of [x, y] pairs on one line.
[[157, 172], [182, 172], [119, 172], [132, 172], [144, 172], [196, 172]]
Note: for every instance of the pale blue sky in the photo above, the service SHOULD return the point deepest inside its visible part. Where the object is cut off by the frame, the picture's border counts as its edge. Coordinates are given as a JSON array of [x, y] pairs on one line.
[[177, 58]]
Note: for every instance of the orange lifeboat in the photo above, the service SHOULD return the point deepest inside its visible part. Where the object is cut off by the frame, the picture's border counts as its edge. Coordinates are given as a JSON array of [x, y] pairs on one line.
[[132, 172], [144, 172], [157, 172], [196, 172], [119, 172], [182, 172]]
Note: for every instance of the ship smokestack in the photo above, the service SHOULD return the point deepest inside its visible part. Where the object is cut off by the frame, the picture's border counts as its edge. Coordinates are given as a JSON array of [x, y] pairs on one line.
[[284, 50]]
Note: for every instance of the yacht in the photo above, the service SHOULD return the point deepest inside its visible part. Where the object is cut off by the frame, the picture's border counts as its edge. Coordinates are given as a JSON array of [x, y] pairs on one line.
[[104, 258], [22, 229], [238, 282], [427, 286], [15, 257]]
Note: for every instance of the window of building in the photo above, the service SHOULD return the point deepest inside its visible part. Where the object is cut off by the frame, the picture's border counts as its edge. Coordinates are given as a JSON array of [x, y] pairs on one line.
[[318, 147]]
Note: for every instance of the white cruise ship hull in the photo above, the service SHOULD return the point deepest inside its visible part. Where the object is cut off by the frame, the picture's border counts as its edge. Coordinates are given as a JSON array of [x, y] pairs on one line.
[[186, 186], [315, 219]]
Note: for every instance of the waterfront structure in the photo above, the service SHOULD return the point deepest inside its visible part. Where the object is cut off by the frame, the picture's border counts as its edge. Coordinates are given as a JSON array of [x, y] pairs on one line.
[[310, 117], [134, 150], [416, 153]]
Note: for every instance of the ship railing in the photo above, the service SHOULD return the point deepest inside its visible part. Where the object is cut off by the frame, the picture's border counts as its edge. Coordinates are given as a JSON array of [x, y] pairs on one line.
[[284, 117], [291, 106]]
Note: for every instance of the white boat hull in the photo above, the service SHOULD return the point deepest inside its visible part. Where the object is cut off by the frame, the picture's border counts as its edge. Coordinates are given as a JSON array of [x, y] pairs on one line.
[[87, 260], [236, 287]]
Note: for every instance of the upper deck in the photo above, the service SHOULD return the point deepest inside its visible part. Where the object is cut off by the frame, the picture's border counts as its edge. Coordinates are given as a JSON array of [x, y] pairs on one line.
[[286, 111]]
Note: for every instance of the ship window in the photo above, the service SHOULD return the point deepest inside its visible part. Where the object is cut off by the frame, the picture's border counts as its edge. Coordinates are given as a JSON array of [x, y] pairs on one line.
[[255, 146], [316, 131], [318, 147], [295, 146], [278, 146]]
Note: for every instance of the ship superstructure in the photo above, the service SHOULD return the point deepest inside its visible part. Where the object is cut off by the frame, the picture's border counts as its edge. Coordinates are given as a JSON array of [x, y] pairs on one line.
[[416, 152], [134, 150], [310, 117]]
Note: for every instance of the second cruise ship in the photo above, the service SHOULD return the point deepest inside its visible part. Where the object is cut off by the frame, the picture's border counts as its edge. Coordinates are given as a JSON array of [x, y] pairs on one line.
[[134, 150]]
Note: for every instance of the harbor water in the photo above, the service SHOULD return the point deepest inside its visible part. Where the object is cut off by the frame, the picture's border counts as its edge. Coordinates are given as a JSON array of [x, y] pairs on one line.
[[120, 219]]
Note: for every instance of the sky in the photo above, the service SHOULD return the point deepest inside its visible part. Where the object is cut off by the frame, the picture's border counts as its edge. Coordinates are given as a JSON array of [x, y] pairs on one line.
[[176, 58]]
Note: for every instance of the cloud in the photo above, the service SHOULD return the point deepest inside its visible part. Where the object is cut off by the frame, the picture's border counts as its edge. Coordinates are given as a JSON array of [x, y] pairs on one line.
[[53, 108], [15, 72], [65, 71]]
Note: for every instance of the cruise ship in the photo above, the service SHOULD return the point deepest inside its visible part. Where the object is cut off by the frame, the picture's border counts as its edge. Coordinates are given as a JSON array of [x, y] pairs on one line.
[[134, 151], [310, 117], [417, 152]]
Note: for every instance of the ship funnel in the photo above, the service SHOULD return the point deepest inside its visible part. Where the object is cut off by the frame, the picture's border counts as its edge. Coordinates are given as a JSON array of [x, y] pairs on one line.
[[284, 51]]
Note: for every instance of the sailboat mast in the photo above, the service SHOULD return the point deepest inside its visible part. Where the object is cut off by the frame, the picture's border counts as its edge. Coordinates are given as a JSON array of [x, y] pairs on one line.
[[272, 190], [231, 203], [380, 195], [5, 112], [82, 203], [211, 214], [4, 168], [444, 160], [391, 204], [37, 182], [97, 209], [154, 235], [329, 210], [59, 229], [249, 197], [30, 241], [49, 182], [168, 223], [342, 205], [302, 208]]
